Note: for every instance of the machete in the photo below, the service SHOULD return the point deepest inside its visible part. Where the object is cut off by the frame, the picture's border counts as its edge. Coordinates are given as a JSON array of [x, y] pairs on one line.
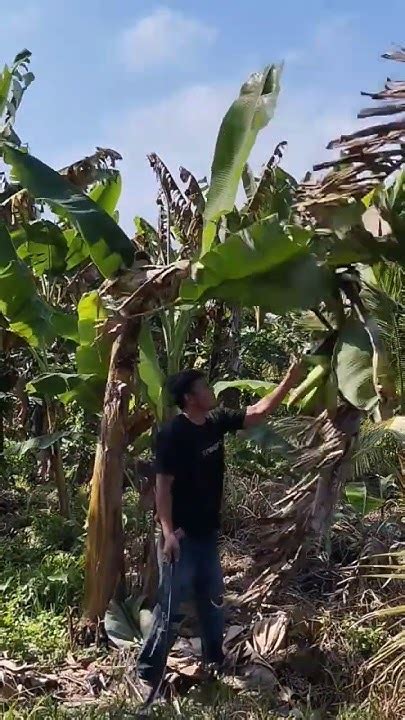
[[166, 604]]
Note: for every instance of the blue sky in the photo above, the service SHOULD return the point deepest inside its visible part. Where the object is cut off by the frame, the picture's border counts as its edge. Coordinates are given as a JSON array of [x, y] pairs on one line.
[[140, 76]]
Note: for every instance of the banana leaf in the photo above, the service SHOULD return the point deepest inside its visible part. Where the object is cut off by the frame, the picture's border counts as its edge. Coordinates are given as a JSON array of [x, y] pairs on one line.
[[41, 442], [106, 194], [255, 387], [353, 365], [42, 245], [298, 284], [93, 352], [150, 372], [27, 313], [267, 246], [127, 622], [108, 245], [248, 114], [86, 390], [360, 499]]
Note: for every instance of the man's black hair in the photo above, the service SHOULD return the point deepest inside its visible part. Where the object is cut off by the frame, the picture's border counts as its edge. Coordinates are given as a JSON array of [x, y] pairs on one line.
[[180, 384]]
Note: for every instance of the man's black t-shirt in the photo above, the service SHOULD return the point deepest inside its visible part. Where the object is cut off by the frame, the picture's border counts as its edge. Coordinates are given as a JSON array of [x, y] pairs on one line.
[[194, 456]]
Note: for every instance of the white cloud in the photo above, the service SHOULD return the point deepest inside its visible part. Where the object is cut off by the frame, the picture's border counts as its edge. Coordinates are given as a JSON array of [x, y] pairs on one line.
[[164, 36]]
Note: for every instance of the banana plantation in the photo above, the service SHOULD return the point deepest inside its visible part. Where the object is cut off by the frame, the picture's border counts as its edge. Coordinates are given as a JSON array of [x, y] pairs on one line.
[[239, 272]]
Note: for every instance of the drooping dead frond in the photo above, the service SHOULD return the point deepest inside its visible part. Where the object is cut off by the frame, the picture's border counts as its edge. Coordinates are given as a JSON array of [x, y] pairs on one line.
[[137, 291], [100, 166], [184, 212], [398, 55], [367, 157], [16, 206], [148, 240], [193, 190], [267, 180], [323, 450]]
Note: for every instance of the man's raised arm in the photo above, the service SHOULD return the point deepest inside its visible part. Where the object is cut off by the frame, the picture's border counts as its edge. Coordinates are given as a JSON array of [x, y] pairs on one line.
[[255, 414]]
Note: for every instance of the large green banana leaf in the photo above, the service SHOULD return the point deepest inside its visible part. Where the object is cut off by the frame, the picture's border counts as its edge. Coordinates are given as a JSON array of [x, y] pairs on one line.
[[86, 390], [78, 250], [249, 114], [109, 247], [353, 364], [93, 352], [86, 386], [21, 304], [42, 245], [272, 268], [107, 194]]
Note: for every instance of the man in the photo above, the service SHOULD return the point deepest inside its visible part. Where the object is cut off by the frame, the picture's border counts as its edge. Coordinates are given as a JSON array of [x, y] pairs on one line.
[[189, 484]]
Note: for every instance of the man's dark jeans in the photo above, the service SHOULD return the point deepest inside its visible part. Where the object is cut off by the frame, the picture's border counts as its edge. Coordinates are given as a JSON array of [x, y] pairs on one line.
[[197, 574]]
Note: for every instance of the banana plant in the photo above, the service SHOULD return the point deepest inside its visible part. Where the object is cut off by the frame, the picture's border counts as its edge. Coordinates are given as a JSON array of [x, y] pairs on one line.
[[85, 230]]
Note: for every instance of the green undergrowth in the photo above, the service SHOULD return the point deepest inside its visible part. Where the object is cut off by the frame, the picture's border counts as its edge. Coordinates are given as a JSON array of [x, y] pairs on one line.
[[242, 709], [41, 582]]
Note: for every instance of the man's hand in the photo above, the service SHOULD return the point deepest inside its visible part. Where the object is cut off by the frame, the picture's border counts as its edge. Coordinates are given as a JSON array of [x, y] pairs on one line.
[[295, 373], [171, 548], [255, 414]]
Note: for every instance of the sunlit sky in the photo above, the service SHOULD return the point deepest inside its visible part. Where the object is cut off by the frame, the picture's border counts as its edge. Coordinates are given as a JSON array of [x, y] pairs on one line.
[[140, 76]]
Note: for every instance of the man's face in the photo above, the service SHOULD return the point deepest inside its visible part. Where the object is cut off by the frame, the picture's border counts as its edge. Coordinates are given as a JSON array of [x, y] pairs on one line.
[[202, 396]]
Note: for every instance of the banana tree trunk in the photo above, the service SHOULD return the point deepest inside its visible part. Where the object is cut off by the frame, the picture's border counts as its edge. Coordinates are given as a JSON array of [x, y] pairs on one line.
[[104, 569]]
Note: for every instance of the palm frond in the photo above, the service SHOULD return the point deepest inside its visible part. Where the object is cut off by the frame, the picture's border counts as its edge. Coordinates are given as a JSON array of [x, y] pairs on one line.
[[376, 451], [386, 303]]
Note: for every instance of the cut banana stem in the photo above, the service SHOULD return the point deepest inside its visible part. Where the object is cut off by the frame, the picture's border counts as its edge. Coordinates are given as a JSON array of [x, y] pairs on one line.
[[313, 401], [331, 393], [313, 380]]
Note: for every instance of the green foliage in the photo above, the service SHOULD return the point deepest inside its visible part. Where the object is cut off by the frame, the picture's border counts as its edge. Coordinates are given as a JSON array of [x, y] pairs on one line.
[[86, 390], [93, 352], [42, 245], [126, 622], [249, 114], [360, 499], [353, 365], [21, 304], [108, 246], [273, 270], [107, 194], [150, 372], [255, 387]]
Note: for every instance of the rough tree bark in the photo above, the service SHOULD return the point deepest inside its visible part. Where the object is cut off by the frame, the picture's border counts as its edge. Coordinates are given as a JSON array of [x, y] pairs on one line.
[[104, 568]]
